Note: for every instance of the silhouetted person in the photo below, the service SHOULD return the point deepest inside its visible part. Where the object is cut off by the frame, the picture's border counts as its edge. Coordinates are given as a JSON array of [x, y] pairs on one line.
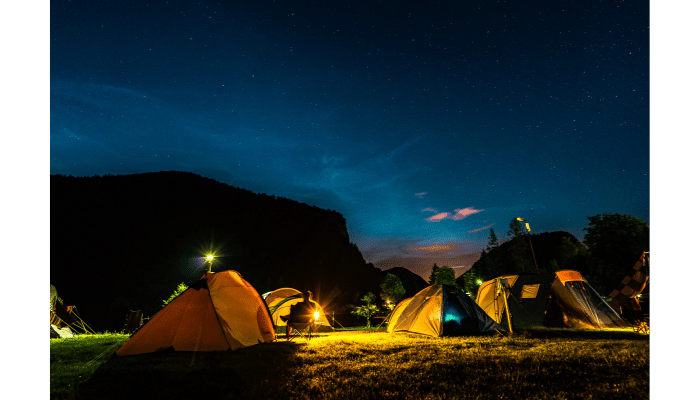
[[300, 313]]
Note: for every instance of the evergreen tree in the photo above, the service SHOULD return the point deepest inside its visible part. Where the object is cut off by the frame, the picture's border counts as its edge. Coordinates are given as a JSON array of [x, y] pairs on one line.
[[431, 280], [516, 229], [493, 241]]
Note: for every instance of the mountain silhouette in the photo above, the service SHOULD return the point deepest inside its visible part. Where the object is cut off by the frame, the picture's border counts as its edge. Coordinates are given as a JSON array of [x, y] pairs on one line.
[[124, 242]]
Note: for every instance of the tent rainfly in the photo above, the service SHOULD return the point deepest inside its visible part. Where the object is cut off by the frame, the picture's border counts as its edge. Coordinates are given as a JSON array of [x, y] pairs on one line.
[[221, 311], [281, 300], [560, 299], [440, 310]]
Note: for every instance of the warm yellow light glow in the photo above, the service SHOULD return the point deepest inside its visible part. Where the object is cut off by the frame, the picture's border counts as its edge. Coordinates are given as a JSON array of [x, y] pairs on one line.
[[479, 282], [520, 219], [316, 315], [210, 257]]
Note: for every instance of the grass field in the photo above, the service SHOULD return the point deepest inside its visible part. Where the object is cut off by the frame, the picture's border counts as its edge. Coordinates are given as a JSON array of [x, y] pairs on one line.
[[537, 364]]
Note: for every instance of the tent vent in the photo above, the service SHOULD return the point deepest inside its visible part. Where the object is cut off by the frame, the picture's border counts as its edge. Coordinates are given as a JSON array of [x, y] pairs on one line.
[[530, 291]]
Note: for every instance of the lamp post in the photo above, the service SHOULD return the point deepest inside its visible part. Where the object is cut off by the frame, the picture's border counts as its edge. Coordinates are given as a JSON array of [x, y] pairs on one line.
[[527, 227], [210, 258]]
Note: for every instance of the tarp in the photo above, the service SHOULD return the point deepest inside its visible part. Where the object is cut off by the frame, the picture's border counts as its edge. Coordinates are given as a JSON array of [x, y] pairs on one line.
[[440, 310], [221, 311]]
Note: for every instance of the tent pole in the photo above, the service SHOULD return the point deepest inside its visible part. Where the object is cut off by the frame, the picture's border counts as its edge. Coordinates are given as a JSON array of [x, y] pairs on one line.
[[505, 301]]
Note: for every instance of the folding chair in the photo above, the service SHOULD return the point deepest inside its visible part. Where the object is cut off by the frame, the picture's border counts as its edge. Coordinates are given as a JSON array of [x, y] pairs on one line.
[[301, 329]]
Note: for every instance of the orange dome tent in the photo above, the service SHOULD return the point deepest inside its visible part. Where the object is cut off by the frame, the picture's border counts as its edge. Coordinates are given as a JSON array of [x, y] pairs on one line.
[[221, 311]]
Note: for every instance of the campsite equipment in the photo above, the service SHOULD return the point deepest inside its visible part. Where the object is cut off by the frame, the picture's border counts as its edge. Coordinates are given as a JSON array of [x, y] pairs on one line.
[[625, 295], [221, 311], [560, 299], [65, 320], [280, 302], [133, 321], [440, 310]]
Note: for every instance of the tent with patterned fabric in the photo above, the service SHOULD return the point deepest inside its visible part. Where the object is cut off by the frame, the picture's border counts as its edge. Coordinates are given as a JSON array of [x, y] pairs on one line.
[[221, 311], [625, 295], [440, 310], [560, 299]]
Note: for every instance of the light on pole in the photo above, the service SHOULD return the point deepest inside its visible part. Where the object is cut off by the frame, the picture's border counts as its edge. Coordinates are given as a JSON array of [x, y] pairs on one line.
[[527, 227], [210, 258]]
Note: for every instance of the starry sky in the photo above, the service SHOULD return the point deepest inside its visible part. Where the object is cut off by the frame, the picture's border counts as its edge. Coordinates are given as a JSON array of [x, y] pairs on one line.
[[424, 123]]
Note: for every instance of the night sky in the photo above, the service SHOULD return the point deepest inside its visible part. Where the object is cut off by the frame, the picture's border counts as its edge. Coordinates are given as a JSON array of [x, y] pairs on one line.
[[424, 123]]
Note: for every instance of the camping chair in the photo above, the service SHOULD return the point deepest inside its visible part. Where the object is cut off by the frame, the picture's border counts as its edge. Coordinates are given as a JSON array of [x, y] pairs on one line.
[[133, 321], [303, 326], [304, 330]]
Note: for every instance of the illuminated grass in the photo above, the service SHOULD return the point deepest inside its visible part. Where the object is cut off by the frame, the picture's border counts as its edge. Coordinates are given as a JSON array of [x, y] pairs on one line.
[[546, 364], [74, 360]]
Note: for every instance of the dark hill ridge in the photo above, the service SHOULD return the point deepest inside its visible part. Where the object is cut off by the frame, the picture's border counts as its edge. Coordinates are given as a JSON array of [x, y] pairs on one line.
[[412, 283], [553, 251], [124, 242]]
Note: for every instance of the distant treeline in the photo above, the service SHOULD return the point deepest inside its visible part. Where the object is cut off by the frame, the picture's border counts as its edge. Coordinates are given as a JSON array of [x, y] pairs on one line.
[[124, 242]]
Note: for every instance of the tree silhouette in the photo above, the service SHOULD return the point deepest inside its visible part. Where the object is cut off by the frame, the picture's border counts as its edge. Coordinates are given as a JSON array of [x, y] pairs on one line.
[[392, 289], [615, 242], [445, 276]]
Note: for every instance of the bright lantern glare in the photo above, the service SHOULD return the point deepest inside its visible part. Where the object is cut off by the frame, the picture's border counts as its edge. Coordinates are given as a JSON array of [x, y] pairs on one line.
[[479, 282], [316, 315], [210, 257]]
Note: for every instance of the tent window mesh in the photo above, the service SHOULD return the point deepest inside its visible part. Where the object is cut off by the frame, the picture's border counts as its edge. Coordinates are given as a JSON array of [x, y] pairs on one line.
[[530, 291]]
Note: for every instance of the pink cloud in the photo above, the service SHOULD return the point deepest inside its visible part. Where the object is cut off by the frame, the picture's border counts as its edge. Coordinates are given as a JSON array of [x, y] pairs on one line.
[[429, 210], [436, 247], [464, 213], [421, 194], [439, 217], [481, 229]]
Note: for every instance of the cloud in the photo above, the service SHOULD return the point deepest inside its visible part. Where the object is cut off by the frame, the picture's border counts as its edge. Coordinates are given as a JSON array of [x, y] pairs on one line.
[[421, 194], [436, 247], [432, 210], [439, 217], [481, 229], [458, 215], [464, 213]]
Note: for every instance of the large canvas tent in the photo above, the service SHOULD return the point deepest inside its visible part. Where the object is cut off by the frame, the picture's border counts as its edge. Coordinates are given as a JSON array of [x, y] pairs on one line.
[[221, 311], [560, 299], [440, 310], [280, 301]]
